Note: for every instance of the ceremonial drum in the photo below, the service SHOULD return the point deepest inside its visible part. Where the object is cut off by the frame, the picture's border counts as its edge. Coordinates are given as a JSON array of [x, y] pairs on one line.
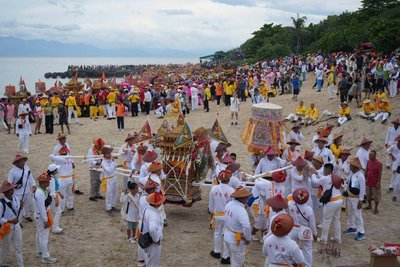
[[264, 128]]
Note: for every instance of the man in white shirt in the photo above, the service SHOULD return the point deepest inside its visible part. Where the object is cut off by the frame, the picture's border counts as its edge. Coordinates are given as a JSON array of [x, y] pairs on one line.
[[195, 96], [391, 134], [305, 229], [363, 152], [20, 176], [237, 233], [42, 201], [356, 193], [220, 195], [24, 107], [394, 76], [269, 162], [322, 151], [110, 180], [152, 223], [147, 100], [9, 208], [279, 249], [137, 159], [23, 131], [127, 151], [296, 135]]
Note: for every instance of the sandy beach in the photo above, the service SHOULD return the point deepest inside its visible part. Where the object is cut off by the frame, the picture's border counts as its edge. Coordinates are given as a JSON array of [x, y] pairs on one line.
[[92, 238]]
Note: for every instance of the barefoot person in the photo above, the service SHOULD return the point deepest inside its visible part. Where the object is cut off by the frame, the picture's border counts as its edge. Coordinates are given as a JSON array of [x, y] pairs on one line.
[[9, 209], [373, 175]]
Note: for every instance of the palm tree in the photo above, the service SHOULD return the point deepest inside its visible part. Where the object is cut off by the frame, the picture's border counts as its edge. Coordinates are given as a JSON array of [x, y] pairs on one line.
[[298, 25]]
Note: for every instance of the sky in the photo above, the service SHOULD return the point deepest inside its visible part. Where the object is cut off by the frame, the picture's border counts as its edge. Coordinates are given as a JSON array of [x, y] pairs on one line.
[[187, 25]]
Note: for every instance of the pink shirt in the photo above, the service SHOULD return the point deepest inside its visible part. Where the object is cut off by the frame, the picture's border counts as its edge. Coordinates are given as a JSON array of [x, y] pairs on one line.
[[10, 111]]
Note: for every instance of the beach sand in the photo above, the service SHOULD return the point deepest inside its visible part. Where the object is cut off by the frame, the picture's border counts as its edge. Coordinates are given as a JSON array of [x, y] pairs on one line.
[[92, 238]]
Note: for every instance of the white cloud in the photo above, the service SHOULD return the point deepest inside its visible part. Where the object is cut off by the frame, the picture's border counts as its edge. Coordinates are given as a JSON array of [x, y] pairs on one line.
[[195, 25]]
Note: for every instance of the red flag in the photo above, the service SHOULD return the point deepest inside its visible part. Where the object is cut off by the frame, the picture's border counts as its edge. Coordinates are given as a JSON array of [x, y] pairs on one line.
[[145, 133], [103, 77]]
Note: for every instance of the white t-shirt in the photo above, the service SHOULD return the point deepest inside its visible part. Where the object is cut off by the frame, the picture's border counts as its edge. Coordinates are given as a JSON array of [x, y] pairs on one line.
[[234, 104]]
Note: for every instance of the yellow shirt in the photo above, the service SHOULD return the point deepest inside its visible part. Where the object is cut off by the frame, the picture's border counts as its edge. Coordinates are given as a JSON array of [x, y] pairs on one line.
[[344, 111], [207, 93], [264, 89], [384, 107], [70, 102], [251, 82], [134, 98], [301, 110], [55, 101], [230, 89], [330, 78], [44, 102], [312, 113], [368, 108], [111, 97], [335, 150]]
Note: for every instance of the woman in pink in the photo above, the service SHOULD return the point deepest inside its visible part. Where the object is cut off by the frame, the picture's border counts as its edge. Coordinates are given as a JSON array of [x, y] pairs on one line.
[[10, 115]]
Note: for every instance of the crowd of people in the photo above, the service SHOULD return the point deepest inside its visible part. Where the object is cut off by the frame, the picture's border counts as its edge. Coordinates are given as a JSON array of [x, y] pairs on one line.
[[294, 191]]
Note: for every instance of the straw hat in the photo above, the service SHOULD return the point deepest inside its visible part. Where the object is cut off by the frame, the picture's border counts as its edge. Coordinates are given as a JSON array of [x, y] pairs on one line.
[[320, 129], [319, 159], [365, 141], [308, 155], [129, 137], [6, 186], [277, 202], [279, 177], [293, 142], [321, 139], [241, 192], [155, 199], [61, 136], [301, 195], [142, 149], [336, 181], [282, 225], [269, 151], [98, 142], [233, 167], [396, 121], [345, 151], [155, 166], [337, 135], [355, 162], [149, 156], [150, 184], [106, 150], [44, 177], [224, 175], [300, 162], [19, 157]]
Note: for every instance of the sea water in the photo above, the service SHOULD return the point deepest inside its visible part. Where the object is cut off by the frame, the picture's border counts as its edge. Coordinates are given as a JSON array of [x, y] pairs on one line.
[[33, 68]]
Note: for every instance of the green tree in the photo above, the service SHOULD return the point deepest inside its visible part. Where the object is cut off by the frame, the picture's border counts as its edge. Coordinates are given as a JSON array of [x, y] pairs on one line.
[[298, 25], [376, 4]]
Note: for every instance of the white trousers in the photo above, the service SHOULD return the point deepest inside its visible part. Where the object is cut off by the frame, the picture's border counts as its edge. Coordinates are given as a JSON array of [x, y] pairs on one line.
[[195, 102], [331, 213], [23, 142], [2, 122], [112, 193], [70, 112], [42, 237], [396, 185], [305, 246], [110, 111], [383, 115], [362, 114], [393, 88], [237, 253], [354, 219], [331, 94], [66, 189], [317, 206], [153, 255], [26, 211], [56, 212], [13, 238], [342, 120], [219, 236]]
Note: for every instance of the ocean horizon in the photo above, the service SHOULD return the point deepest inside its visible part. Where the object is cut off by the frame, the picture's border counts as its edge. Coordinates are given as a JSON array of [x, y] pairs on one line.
[[32, 69]]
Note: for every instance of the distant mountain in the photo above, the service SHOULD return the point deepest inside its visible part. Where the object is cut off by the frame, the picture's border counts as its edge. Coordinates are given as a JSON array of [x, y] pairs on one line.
[[14, 47]]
